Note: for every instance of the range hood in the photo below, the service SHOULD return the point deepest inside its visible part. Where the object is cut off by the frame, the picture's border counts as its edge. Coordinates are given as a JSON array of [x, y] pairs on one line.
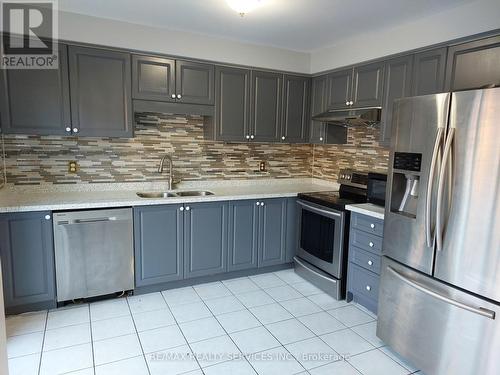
[[367, 116]]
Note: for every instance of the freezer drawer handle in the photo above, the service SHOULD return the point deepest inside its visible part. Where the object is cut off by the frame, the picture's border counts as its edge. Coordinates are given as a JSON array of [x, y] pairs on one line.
[[477, 310]]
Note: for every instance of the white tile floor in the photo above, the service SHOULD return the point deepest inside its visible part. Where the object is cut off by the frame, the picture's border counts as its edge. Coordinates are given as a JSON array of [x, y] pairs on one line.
[[275, 323]]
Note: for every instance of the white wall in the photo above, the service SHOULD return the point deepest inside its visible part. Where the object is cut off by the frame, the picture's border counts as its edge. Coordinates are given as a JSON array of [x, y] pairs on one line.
[[465, 20], [95, 30]]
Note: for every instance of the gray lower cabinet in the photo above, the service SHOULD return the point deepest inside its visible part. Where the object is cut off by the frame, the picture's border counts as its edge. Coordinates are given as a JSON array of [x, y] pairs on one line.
[[272, 232], [296, 113], [205, 238], [368, 85], [232, 105], [243, 239], [159, 244], [27, 255], [100, 92], [363, 274], [429, 72], [153, 78], [36, 101], [473, 65], [398, 73], [265, 115]]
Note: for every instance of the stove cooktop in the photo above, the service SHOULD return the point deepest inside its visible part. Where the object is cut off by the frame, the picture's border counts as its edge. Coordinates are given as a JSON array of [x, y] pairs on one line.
[[332, 199]]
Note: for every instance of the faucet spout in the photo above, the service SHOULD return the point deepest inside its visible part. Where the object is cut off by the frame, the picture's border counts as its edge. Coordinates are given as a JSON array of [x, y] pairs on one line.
[[170, 169]]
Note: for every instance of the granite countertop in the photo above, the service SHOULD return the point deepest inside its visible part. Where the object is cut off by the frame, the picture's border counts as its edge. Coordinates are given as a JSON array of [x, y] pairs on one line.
[[88, 196], [369, 209]]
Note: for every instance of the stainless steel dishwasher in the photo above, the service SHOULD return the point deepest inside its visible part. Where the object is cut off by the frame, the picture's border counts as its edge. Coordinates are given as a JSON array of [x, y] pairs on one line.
[[94, 253]]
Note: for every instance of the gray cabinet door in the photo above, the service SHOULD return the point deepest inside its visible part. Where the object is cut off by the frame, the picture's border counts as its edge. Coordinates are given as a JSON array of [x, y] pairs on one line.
[[153, 78], [339, 89], [295, 121], [100, 86], [194, 82], [272, 232], [243, 235], [368, 85], [36, 101], [158, 242], [473, 65], [319, 93], [292, 225], [232, 104], [27, 253], [205, 238], [428, 72], [265, 114], [398, 73]]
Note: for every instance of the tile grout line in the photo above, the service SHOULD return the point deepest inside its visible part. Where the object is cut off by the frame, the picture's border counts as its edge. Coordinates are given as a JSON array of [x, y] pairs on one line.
[[43, 342], [91, 340], [138, 337]]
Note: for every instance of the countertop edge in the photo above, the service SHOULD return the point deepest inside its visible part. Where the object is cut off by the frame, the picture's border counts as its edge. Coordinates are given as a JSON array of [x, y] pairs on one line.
[[367, 209]]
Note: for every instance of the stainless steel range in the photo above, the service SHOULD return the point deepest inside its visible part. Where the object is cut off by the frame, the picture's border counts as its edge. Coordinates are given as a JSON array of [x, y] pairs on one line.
[[323, 233]]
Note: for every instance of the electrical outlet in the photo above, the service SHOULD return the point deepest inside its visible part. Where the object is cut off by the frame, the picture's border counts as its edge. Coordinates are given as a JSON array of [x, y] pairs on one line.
[[262, 166], [73, 166]]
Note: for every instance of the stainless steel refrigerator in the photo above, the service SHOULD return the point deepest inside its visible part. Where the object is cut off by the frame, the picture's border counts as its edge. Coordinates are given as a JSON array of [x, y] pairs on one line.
[[439, 301]]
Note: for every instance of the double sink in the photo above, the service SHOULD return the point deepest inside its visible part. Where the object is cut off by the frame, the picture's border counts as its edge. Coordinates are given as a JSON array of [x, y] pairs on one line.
[[174, 194]]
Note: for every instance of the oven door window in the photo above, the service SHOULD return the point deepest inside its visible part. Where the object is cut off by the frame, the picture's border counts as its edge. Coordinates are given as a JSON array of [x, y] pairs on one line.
[[317, 235]]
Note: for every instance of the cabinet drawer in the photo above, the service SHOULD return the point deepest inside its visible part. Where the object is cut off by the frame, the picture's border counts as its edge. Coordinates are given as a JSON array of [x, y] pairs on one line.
[[365, 259], [363, 282], [365, 241], [367, 224]]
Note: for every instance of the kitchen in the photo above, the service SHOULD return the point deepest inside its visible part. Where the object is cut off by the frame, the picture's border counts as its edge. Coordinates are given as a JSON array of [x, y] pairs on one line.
[[281, 201]]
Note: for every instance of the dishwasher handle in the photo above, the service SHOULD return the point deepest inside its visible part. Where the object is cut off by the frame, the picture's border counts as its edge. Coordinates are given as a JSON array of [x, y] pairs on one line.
[[94, 220]]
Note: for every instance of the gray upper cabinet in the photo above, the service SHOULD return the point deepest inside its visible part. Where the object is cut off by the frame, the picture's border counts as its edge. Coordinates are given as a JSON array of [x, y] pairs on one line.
[[27, 254], [243, 235], [153, 78], [265, 116], [429, 71], [205, 238], [473, 65], [100, 92], [232, 105], [368, 85], [36, 101], [159, 244], [295, 121], [339, 89], [398, 73], [272, 232], [319, 92], [194, 82]]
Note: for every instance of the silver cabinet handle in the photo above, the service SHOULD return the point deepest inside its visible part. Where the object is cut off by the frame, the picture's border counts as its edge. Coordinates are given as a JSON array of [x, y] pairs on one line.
[[75, 130], [370, 244], [173, 96], [283, 138], [347, 103], [370, 263], [68, 130], [258, 203], [372, 226], [181, 208], [351, 102], [47, 217], [477, 310], [439, 200], [179, 96], [188, 208], [427, 217], [261, 204], [368, 288], [247, 137], [252, 136], [321, 139]]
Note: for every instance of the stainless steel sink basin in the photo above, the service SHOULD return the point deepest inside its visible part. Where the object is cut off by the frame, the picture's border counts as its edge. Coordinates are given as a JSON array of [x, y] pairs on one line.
[[194, 193], [156, 195]]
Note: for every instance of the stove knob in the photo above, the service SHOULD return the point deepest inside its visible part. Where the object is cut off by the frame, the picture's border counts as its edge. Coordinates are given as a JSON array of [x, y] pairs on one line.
[[348, 177], [342, 176]]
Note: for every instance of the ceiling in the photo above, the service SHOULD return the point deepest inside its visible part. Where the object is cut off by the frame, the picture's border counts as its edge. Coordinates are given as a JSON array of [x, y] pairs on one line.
[[301, 25]]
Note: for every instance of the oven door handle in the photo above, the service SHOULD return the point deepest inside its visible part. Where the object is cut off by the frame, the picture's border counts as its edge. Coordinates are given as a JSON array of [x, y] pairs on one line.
[[319, 211]]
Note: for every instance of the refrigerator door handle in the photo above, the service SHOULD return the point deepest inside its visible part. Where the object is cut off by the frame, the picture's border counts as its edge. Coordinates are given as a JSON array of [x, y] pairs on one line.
[[476, 310], [429, 236], [439, 201]]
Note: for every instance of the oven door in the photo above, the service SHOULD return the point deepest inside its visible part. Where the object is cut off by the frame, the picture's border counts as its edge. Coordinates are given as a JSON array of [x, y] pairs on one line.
[[321, 237]]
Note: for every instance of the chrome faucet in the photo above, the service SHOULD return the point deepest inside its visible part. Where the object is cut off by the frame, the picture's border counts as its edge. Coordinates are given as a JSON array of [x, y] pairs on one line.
[[170, 167]]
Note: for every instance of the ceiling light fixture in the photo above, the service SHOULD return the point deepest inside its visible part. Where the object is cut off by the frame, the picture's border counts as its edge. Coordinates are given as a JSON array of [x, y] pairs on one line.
[[244, 6]]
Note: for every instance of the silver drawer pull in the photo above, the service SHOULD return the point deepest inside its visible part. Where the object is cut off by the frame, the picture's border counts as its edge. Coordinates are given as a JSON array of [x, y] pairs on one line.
[[370, 244], [372, 226], [368, 288], [370, 263]]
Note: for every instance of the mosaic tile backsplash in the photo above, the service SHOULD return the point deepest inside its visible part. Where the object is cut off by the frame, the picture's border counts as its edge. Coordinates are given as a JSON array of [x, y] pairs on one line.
[[33, 160]]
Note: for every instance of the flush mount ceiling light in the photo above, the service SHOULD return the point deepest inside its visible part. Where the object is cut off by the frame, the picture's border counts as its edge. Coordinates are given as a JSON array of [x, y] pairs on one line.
[[244, 6]]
